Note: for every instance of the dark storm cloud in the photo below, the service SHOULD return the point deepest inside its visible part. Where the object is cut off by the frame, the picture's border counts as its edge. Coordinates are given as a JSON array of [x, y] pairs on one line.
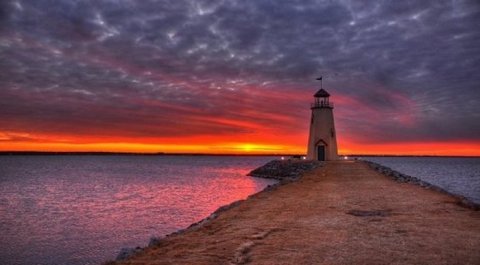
[[87, 67]]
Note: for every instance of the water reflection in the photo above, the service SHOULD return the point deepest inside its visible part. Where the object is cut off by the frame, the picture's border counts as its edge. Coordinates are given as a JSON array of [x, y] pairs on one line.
[[83, 209]]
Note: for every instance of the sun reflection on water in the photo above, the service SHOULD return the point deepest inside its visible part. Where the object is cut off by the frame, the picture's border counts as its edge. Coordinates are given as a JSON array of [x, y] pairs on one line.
[[82, 210]]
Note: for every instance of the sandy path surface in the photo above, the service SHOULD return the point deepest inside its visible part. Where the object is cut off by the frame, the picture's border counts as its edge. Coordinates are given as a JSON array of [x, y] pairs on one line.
[[342, 213]]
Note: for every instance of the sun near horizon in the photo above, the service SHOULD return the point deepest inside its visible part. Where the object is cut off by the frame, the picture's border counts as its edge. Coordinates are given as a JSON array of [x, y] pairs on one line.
[[250, 135], [409, 149], [262, 141]]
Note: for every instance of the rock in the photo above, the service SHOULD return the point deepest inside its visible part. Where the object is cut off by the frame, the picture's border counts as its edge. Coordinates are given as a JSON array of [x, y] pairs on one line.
[[226, 207], [127, 252], [464, 202], [154, 241]]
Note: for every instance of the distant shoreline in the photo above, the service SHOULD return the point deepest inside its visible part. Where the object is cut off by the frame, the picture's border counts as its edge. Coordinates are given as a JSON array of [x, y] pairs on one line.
[[8, 153], [129, 153]]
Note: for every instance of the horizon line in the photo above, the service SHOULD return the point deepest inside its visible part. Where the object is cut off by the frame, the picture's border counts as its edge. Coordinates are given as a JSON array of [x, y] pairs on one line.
[[209, 154]]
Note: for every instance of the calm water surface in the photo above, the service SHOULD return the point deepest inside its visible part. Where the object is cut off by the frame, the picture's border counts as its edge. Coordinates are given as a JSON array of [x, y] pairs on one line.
[[457, 175], [84, 209]]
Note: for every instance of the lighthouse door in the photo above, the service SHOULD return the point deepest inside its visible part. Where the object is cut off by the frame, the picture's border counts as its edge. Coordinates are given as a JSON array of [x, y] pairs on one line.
[[321, 153]]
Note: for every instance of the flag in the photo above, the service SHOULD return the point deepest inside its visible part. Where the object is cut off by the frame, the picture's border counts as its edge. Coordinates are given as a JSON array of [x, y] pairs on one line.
[[320, 78]]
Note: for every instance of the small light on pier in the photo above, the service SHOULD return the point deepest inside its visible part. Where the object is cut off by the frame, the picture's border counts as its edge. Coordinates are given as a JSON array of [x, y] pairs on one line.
[[345, 157], [283, 158], [304, 158]]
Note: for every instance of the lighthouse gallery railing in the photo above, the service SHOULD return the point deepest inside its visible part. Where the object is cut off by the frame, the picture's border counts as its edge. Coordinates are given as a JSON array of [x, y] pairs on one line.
[[322, 105]]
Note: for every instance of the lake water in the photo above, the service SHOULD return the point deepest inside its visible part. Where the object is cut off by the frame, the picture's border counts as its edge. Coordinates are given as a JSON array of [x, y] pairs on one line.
[[456, 175], [84, 209]]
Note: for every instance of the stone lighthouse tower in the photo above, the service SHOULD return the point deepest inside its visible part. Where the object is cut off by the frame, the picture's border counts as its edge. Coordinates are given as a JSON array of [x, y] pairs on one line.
[[322, 142]]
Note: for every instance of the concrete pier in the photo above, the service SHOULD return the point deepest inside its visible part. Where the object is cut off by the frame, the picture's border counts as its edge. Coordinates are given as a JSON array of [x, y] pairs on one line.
[[341, 213]]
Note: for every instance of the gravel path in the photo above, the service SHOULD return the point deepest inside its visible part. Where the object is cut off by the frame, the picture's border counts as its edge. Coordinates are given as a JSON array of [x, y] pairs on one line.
[[340, 213]]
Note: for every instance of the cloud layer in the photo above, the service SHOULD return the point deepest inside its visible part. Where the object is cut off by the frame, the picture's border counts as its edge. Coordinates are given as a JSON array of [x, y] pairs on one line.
[[150, 71]]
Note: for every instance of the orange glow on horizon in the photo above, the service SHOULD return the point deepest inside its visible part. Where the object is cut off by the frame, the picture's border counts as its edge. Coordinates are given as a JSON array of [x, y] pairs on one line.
[[219, 148], [254, 144], [413, 148]]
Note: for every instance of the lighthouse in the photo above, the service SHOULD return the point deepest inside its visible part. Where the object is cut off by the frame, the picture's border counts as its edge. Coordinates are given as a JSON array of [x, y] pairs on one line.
[[322, 141]]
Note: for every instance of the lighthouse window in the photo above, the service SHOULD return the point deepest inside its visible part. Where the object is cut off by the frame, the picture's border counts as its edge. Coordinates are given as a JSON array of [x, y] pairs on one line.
[[311, 120], [333, 132]]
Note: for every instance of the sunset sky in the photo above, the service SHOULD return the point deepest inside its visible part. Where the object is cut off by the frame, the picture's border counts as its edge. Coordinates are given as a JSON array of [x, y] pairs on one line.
[[238, 76]]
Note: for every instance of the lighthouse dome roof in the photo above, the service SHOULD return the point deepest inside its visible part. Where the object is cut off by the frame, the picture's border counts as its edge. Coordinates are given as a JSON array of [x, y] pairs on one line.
[[321, 94]]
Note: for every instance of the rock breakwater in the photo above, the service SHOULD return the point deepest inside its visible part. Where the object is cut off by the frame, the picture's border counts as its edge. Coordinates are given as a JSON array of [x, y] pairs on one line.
[[403, 178], [329, 216], [284, 170], [126, 253]]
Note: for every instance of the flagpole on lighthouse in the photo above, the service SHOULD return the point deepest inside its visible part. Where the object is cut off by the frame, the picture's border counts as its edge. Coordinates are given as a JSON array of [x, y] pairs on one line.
[[320, 78]]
